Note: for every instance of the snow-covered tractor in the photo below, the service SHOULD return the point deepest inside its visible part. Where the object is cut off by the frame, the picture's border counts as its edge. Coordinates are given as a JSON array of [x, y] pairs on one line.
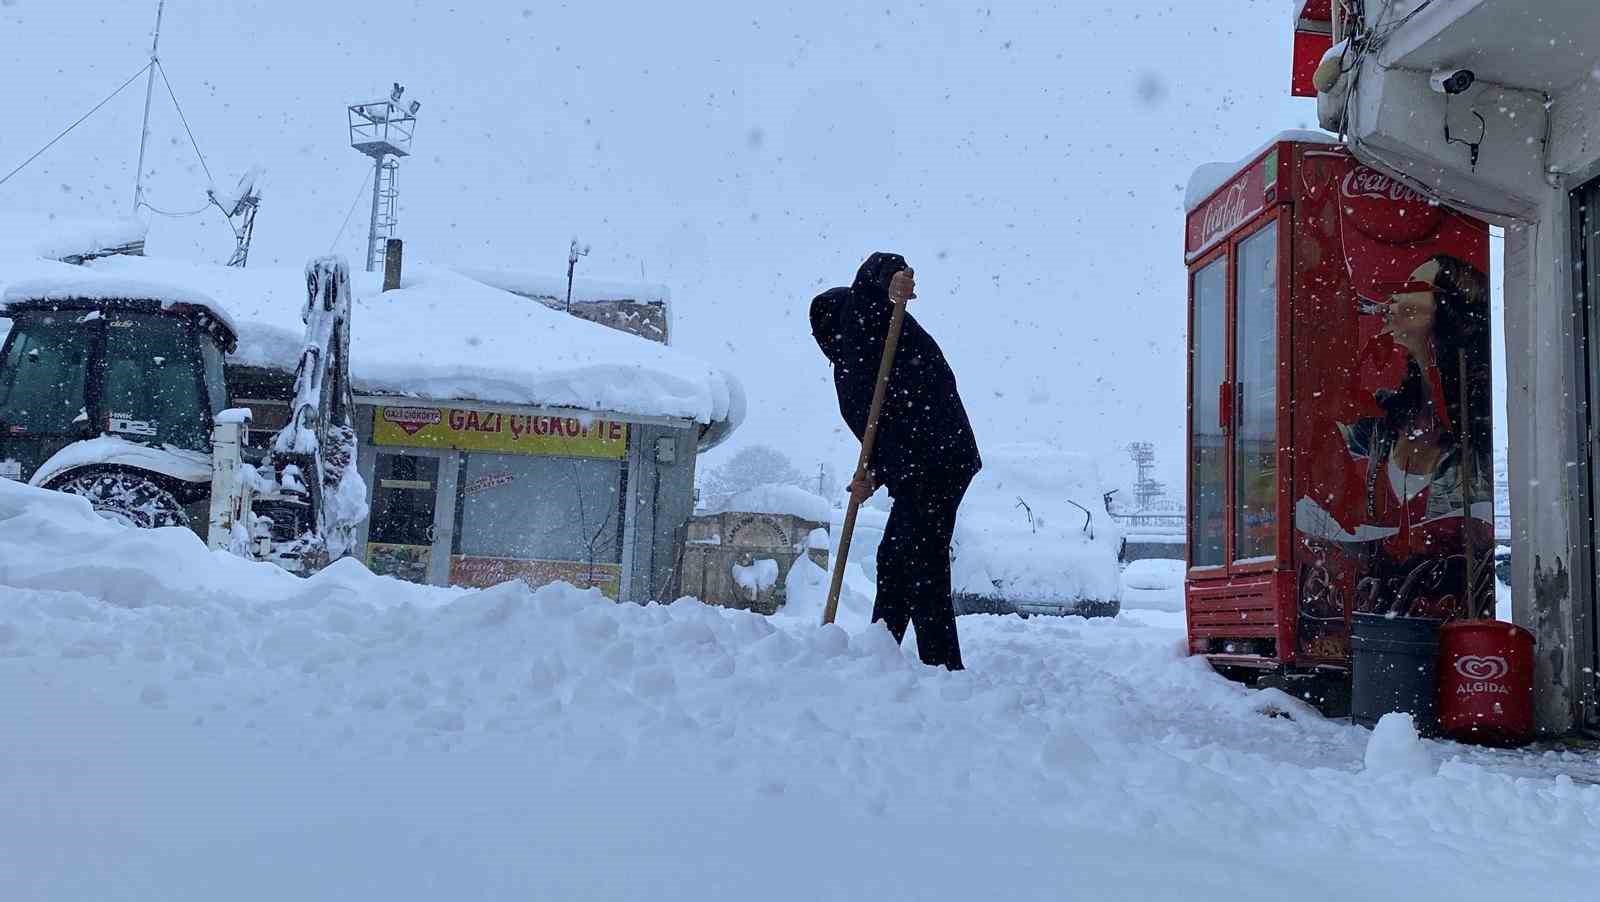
[[116, 391]]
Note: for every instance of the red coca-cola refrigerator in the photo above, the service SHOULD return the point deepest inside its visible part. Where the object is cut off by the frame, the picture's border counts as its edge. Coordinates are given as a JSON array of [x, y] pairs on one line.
[[1339, 438]]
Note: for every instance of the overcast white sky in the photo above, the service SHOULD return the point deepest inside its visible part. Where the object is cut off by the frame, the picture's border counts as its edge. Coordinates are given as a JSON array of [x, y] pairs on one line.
[[1029, 159]]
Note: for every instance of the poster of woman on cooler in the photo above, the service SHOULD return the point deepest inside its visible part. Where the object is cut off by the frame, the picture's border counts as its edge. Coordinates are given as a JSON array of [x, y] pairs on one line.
[[1400, 521]]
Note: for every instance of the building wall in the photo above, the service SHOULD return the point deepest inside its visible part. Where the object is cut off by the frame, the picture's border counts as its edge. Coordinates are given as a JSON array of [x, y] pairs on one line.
[[663, 501], [1552, 572], [1539, 400], [1575, 128]]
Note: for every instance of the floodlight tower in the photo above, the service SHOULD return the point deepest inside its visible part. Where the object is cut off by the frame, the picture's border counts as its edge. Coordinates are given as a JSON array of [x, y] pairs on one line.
[[1147, 490], [382, 130]]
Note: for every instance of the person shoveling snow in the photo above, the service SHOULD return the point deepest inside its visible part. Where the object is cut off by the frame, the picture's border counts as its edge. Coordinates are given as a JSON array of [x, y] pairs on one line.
[[921, 448]]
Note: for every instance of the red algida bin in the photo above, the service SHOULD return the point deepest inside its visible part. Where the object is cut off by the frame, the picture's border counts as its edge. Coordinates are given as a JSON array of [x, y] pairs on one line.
[[1486, 682]]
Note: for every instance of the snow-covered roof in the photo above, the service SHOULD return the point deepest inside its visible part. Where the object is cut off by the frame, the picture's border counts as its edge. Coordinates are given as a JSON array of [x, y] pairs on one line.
[[553, 289], [776, 499], [1208, 177], [443, 336], [80, 283], [624, 297], [27, 235]]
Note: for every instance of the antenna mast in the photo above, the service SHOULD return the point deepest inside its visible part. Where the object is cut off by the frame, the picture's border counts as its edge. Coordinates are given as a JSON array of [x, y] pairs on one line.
[[382, 130], [149, 92]]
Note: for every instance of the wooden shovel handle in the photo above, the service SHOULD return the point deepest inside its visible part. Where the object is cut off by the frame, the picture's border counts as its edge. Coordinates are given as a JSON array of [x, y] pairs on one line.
[[868, 439]]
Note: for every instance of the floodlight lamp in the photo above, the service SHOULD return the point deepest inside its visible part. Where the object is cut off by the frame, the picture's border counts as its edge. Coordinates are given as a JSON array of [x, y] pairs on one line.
[[396, 91], [415, 105]]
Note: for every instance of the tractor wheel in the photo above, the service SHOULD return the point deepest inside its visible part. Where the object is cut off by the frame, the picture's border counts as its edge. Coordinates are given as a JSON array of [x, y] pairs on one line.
[[126, 497]]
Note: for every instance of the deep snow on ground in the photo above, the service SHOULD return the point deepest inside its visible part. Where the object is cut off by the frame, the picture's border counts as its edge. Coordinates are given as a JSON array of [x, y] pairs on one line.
[[184, 725]]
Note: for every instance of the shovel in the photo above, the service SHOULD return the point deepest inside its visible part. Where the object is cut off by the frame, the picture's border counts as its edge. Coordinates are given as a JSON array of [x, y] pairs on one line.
[[868, 438]]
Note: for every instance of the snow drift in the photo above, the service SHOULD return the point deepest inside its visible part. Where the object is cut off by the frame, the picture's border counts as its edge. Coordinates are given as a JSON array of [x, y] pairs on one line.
[[182, 724]]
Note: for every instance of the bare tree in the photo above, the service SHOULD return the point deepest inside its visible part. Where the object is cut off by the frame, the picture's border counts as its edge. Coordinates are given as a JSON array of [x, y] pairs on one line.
[[751, 466], [602, 538]]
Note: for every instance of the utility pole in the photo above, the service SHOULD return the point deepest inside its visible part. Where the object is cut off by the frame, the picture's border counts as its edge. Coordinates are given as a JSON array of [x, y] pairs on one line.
[[572, 264], [149, 92]]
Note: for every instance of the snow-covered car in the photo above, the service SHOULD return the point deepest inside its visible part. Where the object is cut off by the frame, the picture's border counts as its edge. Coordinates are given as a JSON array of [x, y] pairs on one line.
[[1033, 537]]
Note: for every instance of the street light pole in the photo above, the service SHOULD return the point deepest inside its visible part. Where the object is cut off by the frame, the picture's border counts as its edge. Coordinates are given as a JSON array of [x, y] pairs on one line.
[[572, 264]]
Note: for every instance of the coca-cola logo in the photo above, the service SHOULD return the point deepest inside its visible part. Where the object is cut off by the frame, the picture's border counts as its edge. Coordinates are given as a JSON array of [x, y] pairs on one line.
[[1364, 182], [411, 420], [1385, 208], [1485, 668], [1226, 211]]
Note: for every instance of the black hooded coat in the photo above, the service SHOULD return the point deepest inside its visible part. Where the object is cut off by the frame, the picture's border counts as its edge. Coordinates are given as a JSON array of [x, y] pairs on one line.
[[924, 435]]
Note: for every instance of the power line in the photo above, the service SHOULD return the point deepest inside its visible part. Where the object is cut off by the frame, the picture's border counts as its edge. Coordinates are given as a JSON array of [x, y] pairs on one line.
[[145, 68], [175, 215], [181, 118], [360, 190]]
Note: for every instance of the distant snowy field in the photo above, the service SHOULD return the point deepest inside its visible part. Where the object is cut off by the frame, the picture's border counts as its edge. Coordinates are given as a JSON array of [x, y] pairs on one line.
[[183, 725]]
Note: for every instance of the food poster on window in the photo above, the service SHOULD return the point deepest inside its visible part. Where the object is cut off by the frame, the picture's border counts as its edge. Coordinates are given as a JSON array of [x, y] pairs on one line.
[[481, 572], [407, 562], [1393, 504], [539, 519], [466, 429]]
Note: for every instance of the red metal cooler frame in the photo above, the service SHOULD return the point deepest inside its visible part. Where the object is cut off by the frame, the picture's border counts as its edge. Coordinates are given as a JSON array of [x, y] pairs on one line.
[[1344, 232]]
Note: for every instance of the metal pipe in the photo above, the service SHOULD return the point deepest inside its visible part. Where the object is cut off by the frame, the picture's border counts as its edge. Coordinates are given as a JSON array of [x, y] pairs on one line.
[[149, 92], [372, 225]]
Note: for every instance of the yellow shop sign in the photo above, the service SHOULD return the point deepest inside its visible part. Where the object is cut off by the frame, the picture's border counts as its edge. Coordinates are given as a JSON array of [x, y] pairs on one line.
[[509, 433]]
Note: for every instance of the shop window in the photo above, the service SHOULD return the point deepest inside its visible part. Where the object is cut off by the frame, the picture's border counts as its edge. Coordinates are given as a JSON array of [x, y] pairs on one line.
[[515, 510]]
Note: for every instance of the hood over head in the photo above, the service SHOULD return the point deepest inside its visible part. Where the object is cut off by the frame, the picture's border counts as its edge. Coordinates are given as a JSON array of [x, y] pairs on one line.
[[872, 280], [875, 273]]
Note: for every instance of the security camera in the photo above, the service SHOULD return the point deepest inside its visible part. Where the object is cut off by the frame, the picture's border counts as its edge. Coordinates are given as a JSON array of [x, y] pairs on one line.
[[1451, 81]]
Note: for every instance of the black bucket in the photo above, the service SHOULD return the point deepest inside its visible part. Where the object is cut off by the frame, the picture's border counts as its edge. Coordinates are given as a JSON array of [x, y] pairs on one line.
[[1392, 669]]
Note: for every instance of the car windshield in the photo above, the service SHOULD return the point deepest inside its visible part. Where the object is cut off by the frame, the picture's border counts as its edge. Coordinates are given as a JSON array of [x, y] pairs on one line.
[[42, 375], [152, 390]]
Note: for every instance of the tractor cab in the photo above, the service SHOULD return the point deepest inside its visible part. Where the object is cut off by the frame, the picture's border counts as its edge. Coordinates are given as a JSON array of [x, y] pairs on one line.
[[113, 398]]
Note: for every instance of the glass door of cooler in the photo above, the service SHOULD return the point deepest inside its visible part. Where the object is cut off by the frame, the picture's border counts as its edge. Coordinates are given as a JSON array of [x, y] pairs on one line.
[[1208, 420], [1234, 413], [1255, 405]]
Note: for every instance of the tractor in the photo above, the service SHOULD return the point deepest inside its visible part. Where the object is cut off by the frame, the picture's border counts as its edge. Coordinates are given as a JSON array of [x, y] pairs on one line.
[[116, 391]]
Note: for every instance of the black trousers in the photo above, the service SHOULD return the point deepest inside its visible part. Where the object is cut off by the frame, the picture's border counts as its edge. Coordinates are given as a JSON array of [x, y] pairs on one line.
[[914, 567]]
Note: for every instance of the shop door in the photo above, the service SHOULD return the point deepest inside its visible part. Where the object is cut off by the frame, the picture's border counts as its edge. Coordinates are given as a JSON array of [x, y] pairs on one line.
[[1586, 297], [1235, 300], [400, 533]]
